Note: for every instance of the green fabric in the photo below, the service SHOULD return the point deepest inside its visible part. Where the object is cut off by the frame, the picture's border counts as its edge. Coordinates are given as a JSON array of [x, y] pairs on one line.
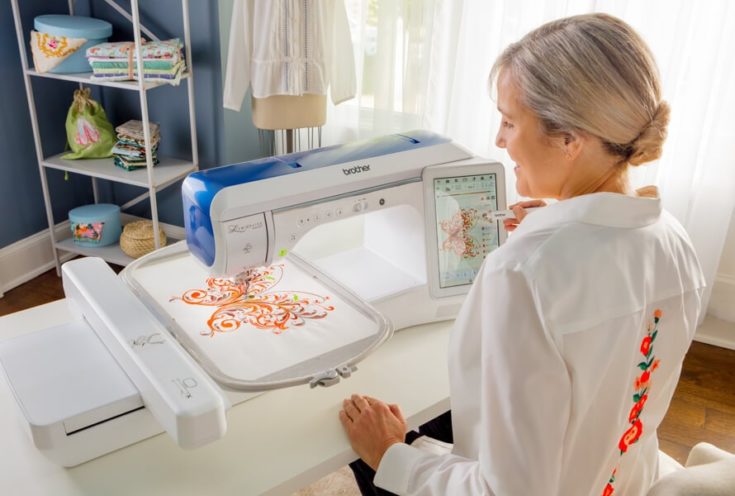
[[152, 64], [129, 165], [88, 132]]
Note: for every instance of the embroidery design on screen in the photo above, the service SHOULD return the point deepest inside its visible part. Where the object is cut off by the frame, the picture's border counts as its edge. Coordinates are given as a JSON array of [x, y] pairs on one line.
[[458, 227], [256, 303]]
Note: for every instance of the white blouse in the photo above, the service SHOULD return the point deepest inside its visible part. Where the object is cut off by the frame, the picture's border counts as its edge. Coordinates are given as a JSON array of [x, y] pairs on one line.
[[287, 47], [565, 356]]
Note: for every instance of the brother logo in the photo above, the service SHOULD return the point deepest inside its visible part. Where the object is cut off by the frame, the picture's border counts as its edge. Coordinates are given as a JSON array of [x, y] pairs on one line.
[[356, 169]]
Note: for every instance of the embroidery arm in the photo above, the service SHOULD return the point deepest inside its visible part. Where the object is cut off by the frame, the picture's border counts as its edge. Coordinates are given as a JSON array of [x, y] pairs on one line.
[[523, 395]]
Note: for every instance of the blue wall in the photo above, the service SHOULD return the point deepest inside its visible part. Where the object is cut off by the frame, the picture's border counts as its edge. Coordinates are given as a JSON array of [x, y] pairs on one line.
[[21, 200]]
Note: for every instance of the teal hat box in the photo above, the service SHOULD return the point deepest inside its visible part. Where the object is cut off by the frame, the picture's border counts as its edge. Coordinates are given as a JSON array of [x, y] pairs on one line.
[[95, 31], [95, 225]]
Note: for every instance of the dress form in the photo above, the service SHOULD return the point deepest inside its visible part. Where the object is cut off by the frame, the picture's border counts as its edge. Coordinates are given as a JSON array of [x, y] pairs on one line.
[[288, 113]]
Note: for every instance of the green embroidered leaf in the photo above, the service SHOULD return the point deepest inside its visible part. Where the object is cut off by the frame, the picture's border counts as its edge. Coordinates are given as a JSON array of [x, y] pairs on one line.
[[636, 397], [650, 351], [656, 319], [653, 336], [643, 365], [270, 278], [295, 297], [649, 363]]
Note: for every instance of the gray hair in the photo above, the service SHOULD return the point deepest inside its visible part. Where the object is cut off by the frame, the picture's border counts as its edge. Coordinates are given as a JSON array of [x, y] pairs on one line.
[[595, 74]]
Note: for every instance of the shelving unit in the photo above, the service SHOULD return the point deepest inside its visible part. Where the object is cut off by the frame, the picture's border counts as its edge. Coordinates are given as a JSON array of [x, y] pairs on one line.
[[151, 178]]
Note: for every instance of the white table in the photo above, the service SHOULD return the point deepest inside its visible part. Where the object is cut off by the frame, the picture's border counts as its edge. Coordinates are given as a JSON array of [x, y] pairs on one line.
[[276, 443]]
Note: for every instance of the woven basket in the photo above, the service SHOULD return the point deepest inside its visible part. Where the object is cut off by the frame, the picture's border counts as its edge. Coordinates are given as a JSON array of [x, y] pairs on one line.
[[137, 238]]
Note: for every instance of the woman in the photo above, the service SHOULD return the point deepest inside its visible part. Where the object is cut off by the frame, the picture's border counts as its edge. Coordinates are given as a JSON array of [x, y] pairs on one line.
[[568, 348]]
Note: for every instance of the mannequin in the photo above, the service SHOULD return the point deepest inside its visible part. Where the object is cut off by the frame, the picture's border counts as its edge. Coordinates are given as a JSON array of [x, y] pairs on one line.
[[290, 54], [288, 113]]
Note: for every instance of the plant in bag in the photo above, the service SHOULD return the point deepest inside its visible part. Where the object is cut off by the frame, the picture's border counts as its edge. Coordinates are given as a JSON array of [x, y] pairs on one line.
[[88, 132]]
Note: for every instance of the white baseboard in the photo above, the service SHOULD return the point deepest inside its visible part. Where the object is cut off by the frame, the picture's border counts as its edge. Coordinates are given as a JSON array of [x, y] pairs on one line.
[[28, 258], [722, 301], [716, 332], [32, 256]]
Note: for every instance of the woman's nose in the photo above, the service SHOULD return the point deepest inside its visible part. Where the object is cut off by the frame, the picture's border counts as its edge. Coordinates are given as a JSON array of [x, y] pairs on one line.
[[499, 139]]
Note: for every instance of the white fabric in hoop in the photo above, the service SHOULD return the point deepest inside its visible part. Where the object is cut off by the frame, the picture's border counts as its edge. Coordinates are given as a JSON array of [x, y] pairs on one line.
[[240, 333]]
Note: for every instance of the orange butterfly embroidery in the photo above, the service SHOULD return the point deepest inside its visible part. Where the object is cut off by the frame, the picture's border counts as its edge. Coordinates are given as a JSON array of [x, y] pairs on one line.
[[255, 304]]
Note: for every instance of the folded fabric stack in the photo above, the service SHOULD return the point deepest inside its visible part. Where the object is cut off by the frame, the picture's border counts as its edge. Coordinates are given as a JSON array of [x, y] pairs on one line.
[[118, 61], [129, 151]]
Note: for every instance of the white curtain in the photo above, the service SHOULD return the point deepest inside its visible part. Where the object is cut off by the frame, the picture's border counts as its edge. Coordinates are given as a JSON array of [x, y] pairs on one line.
[[392, 41], [424, 63]]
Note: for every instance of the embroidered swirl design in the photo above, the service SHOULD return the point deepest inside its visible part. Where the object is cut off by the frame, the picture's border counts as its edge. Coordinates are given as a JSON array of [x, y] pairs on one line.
[[255, 304]]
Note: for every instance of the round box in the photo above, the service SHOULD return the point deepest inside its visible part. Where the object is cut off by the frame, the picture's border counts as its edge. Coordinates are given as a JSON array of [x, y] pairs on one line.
[[137, 238], [95, 31], [95, 225]]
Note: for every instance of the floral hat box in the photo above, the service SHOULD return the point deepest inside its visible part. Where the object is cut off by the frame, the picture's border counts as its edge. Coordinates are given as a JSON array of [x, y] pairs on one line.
[[95, 225], [59, 42]]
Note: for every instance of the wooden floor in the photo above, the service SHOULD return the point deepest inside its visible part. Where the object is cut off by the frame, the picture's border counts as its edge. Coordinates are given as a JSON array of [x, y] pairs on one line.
[[703, 408]]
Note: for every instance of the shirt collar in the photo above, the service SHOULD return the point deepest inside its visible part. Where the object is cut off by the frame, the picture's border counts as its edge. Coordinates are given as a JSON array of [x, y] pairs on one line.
[[603, 209]]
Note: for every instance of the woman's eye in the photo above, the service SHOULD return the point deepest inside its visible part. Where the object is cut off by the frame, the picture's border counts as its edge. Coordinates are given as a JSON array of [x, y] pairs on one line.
[[507, 124]]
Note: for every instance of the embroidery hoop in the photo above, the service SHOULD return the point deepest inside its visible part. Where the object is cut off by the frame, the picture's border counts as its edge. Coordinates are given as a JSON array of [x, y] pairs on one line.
[[358, 330]]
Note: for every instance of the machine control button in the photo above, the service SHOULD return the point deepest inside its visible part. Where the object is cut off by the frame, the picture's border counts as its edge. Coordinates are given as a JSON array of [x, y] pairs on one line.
[[357, 207], [338, 211]]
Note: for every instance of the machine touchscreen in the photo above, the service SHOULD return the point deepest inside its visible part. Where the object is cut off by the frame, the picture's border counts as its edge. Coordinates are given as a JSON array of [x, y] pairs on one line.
[[464, 231]]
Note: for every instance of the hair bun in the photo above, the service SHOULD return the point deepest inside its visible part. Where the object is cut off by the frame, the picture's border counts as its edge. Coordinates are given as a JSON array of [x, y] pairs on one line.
[[649, 143]]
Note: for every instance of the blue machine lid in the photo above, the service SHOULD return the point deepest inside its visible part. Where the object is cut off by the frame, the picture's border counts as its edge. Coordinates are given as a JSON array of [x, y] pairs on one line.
[[200, 188], [94, 212], [73, 26]]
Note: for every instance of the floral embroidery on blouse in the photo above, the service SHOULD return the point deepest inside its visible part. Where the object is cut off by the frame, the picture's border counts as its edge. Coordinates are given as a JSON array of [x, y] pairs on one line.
[[640, 395]]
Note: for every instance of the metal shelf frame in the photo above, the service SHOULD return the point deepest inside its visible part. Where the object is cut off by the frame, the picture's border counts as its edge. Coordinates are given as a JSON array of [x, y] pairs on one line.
[[150, 178]]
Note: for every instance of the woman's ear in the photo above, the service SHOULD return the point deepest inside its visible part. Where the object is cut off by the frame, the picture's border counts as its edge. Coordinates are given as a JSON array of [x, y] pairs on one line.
[[572, 144]]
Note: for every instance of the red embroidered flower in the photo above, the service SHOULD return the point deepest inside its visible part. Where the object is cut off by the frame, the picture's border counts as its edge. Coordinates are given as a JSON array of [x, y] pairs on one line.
[[631, 436], [657, 313], [655, 364], [646, 345], [608, 490], [635, 412], [645, 378], [642, 381]]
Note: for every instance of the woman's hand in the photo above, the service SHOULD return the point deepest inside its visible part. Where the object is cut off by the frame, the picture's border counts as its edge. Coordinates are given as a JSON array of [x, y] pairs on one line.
[[372, 426], [519, 209]]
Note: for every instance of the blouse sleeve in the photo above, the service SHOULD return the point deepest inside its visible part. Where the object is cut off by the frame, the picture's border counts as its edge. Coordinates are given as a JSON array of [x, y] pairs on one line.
[[522, 402], [237, 73]]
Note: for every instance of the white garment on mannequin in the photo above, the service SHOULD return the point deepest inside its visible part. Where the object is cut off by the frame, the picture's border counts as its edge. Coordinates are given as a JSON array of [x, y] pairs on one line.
[[282, 47]]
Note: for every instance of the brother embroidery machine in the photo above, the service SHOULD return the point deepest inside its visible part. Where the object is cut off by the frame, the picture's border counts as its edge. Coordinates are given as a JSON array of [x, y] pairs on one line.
[[294, 269]]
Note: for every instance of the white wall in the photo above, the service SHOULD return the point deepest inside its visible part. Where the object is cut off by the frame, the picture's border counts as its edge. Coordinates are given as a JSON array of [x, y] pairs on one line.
[[722, 304]]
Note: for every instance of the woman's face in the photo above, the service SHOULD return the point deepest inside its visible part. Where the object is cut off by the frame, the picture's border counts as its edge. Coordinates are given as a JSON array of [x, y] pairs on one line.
[[540, 171]]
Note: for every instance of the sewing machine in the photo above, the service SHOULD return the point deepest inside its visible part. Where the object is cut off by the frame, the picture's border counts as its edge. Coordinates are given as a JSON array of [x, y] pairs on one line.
[[294, 269]]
